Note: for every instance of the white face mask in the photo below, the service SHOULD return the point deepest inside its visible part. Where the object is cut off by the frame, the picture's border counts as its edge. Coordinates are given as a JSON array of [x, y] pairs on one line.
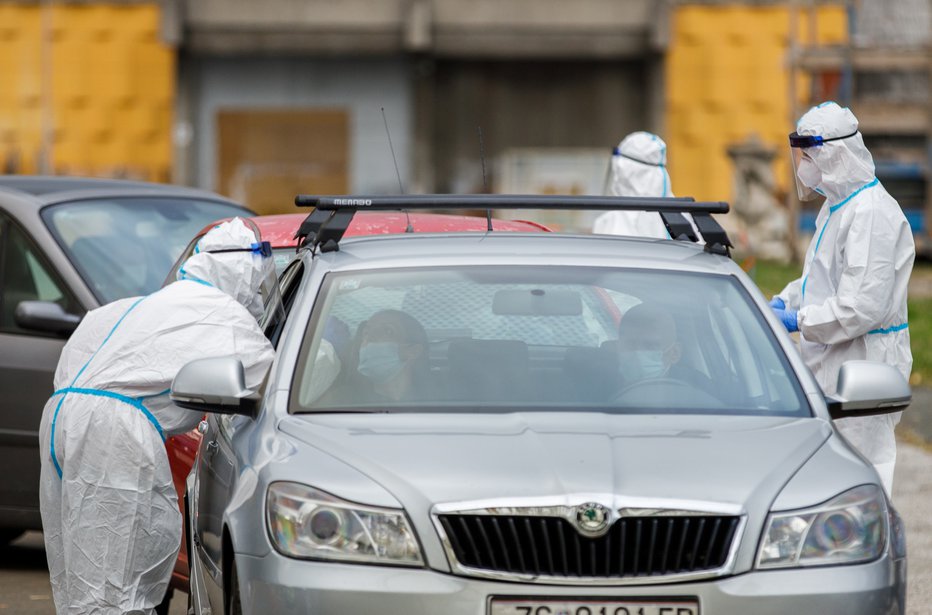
[[642, 364], [380, 361], [809, 174]]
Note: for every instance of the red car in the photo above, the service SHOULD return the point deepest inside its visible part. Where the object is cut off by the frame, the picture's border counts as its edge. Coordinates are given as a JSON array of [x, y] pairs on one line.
[[280, 230]]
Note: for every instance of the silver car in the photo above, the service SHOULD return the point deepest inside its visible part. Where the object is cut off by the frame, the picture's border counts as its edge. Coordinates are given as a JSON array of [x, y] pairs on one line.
[[534, 424]]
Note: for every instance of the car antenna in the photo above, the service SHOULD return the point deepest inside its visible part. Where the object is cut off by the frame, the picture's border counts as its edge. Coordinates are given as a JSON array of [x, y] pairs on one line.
[[485, 181], [408, 227]]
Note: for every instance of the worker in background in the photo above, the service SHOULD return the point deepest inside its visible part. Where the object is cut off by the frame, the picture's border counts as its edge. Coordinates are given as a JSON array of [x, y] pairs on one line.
[[109, 508], [637, 168], [850, 302]]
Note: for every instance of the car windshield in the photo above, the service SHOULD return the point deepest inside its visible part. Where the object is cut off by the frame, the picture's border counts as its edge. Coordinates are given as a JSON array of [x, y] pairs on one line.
[[125, 247], [510, 337]]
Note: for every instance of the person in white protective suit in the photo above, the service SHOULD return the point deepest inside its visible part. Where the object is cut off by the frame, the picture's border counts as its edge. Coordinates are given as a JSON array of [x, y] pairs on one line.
[[638, 168], [109, 508], [850, 302]]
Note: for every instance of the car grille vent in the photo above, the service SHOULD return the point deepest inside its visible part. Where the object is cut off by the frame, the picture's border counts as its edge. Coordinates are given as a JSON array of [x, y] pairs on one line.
[[551, 546]]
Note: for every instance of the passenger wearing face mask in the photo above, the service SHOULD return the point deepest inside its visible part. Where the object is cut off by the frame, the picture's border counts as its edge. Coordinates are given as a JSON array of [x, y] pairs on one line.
[[648, 348], [850, 302], [392, 359]]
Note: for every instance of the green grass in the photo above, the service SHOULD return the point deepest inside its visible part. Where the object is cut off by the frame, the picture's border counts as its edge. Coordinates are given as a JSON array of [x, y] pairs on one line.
[[920, 336], [772, 277]]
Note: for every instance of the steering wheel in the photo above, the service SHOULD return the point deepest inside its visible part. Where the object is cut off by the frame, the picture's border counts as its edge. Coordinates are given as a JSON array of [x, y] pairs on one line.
[[660, 381], [667, 391]]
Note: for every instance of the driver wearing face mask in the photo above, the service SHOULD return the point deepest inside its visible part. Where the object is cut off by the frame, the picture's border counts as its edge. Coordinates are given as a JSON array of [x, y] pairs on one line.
[[648, 348], [393, 359]]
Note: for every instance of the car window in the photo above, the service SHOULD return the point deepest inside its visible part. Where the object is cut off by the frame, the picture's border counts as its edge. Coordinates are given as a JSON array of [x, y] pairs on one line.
[[494, 338], [25, 276], [125, 247], [273, 319]]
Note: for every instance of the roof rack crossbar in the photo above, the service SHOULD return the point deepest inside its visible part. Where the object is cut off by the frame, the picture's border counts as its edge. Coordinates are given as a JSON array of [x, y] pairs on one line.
[[509, 201], [332, 215]]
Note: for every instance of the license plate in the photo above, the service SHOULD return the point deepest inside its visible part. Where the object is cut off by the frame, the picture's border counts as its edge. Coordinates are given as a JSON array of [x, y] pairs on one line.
[[521, 606]]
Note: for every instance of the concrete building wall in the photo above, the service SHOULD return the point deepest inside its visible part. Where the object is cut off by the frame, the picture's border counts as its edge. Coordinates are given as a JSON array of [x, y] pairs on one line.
[[486, 28], [529, 105], [360, 86]]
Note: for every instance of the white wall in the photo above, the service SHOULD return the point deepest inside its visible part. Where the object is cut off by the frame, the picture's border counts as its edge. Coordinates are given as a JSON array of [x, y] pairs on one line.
[[360, 86]]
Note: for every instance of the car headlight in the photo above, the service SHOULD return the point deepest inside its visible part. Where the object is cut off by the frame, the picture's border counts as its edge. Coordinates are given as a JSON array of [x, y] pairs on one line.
[[847, 529], [307, 523]]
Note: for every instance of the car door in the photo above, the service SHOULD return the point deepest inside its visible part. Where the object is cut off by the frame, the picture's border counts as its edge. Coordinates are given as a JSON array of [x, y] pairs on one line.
[[27, 364], [217, 461]]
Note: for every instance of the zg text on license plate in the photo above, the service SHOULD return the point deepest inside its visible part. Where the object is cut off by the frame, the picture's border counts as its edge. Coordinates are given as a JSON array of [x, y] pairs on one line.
[[508, 606]]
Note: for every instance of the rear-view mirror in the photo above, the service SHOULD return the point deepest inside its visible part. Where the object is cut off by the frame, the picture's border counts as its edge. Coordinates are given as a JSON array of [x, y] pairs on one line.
[[867, 388], [214, 385], [45, 316], [536, 302]]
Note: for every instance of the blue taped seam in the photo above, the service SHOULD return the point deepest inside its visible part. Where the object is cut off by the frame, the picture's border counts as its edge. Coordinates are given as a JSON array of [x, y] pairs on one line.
[[52, 439], [190, 278], [97, 393], [832, 210], [106, 339], [869, 184], [892, 329]]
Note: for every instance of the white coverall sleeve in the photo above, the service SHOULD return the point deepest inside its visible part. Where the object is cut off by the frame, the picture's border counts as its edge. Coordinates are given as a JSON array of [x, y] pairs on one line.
[[225, 329], [866, 285], [792, 294], [247, 343]]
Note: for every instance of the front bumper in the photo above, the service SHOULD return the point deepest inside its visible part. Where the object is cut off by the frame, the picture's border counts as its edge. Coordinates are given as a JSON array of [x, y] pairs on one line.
[[276, 584]]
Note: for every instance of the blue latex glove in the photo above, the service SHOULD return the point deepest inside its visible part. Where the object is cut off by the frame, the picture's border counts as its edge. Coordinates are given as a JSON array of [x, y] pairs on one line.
[[777, 303], [789, 318]]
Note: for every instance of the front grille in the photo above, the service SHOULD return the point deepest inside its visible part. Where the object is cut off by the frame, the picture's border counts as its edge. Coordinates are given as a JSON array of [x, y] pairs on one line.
[[551, 546]]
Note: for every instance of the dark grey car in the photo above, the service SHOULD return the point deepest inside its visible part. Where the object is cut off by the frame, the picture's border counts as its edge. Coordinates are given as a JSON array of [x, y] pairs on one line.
[[518, 424], [69, 245]]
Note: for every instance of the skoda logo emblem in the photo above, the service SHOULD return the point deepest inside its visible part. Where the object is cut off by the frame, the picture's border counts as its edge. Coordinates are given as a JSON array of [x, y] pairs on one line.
[[591, 518]]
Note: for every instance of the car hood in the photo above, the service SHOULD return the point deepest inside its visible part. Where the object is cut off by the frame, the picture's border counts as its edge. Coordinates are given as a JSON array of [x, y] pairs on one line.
[[677, 461]]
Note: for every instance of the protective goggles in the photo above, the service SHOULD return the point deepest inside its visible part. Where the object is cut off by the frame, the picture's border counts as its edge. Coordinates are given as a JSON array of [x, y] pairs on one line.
[[262, 248], [803, 141]]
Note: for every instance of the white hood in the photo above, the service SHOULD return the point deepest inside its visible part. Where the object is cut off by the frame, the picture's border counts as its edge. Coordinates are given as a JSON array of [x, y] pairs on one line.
[[639, 167], [238, 274], [845, 164]]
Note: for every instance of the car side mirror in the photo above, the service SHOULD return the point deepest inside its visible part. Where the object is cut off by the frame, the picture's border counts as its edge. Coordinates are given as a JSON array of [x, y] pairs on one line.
[[867, 388], [45, 316], [214, 385]]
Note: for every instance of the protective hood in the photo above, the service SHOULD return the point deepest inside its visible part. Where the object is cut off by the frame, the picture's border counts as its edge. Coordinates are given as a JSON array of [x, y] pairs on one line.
[[239, 274], [845, 164], [639, 167]]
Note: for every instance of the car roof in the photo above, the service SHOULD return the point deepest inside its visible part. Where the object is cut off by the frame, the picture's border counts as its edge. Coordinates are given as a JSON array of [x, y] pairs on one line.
[[548, 249], [280, 229], [53, 189]]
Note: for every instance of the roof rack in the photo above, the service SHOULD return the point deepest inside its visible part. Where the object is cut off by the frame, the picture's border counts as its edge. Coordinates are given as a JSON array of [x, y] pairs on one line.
[[324, 227]]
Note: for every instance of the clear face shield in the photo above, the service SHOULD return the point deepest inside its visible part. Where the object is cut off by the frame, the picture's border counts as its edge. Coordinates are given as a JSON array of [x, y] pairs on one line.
[[807, 173]]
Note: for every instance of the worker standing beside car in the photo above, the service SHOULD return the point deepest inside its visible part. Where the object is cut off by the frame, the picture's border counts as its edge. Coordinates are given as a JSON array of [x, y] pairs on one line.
[[637, 168], [850, 302], [109, 508]]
